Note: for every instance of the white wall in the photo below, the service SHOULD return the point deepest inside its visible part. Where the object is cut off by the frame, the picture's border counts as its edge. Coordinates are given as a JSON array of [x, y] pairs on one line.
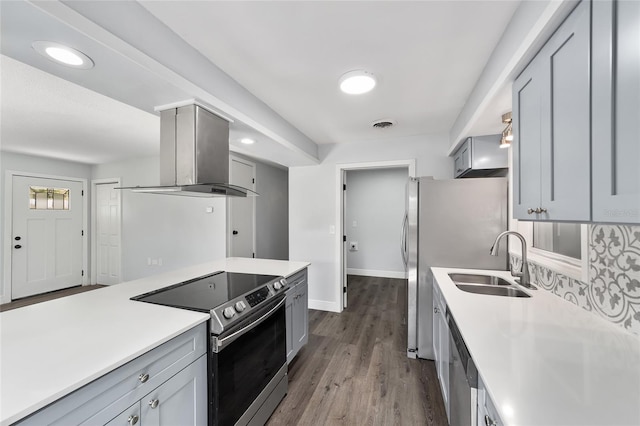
[[38, 165], [176, 229], [376, 203], [313, 203]]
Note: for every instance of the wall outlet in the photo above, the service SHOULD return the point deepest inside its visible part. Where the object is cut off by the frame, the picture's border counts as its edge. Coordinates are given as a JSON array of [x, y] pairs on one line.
[[209, 210], [353, 246]]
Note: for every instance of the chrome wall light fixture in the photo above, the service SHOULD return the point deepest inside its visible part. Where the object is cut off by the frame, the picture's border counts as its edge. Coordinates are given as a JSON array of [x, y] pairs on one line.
[[507, 133]]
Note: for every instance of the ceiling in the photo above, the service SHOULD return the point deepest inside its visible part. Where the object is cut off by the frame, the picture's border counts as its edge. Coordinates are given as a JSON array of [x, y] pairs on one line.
[[45, 115], [427, 57]]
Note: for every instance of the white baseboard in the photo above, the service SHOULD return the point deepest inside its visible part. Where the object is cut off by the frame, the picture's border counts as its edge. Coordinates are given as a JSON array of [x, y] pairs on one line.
[[323, 305], [376, 273]]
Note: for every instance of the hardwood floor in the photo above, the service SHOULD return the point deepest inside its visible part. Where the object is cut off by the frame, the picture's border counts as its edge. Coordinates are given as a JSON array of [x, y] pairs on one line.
[[47, 296], [355, 371]]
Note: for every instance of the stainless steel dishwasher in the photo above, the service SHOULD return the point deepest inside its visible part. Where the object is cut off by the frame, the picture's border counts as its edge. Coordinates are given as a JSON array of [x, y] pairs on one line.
[[463, 380]]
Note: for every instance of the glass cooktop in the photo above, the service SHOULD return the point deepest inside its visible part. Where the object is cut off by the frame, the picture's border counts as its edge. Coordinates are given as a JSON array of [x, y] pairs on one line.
[[207, 292]]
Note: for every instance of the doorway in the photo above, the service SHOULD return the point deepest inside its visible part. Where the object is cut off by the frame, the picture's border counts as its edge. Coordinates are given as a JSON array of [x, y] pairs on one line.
[[106, 259], [344, 242], [46, 227], [241, 222]]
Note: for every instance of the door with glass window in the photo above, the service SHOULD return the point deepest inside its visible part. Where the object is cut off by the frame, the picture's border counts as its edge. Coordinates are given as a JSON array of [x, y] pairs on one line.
[[47, 235]]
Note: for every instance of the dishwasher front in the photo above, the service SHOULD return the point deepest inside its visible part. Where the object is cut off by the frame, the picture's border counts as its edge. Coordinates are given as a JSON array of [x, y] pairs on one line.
[[463, 380]]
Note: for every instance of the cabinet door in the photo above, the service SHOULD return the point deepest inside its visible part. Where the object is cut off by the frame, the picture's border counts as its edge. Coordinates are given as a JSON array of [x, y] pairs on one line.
[[129, 417], [181, 400], [436, 329], [301, 317], [288, 309], [616, 111], [565, 122], [462, 160], [526, 141], [443, 331]]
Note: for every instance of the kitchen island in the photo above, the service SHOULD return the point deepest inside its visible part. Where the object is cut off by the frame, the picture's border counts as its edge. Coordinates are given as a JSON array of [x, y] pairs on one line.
[[51, 349], [544, 361]]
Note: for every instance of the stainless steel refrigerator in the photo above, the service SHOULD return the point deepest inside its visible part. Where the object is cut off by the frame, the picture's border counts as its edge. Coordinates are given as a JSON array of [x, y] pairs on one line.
[[448, 223]]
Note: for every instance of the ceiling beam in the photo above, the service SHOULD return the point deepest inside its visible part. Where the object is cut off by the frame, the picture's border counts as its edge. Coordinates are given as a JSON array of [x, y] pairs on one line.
[[532, 24]]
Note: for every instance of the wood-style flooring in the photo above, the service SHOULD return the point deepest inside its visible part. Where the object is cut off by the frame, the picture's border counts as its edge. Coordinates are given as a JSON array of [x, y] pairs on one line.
[[47, 296], [355, 371]]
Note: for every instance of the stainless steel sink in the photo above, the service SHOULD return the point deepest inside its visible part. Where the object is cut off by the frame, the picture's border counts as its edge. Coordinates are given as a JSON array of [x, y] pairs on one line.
[[478, 279], [492, 290]]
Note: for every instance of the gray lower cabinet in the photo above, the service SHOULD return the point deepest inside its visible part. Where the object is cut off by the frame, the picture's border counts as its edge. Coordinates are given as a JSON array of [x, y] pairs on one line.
[[616, 111], [441, 344], [551, 116], [297, 314], [174, 374], [181, 400]]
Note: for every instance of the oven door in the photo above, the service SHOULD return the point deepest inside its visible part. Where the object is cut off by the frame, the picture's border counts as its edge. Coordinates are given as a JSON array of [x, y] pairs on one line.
[[245, 360]]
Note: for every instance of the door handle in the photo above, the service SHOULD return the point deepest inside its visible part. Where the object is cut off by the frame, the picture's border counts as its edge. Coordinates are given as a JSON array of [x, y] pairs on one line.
[[235, 232], [17, 246]]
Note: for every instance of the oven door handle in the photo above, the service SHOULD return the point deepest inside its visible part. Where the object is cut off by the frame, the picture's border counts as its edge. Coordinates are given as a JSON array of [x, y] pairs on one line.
[[219, 344]]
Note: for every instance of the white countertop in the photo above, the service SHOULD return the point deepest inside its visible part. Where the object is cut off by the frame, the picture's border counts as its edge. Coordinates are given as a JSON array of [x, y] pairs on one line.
[[545, 361], [50, 349]]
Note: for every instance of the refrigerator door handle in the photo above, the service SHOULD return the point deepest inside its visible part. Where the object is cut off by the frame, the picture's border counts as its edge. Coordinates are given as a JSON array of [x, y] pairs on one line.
[[403, 240]]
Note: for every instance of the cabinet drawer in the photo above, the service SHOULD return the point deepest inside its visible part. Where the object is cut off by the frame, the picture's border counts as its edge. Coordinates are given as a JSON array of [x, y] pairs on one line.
[[297, 278], [105, 398]]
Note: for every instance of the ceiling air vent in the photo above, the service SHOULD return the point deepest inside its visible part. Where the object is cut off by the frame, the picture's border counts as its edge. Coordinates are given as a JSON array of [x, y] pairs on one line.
[[383, 124]]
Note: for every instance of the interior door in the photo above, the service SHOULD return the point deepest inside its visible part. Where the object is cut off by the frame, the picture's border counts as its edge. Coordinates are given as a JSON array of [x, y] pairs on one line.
[[108, 234], [241, 221], [344, 239], [46, 253]]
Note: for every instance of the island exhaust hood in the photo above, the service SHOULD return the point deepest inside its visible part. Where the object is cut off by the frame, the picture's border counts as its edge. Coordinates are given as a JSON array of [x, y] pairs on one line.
[[194, 155]]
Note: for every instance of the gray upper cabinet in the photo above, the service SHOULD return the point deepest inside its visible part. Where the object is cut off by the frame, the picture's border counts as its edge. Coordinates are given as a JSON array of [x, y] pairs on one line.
[[526, 141], [480, 156], [551, 114], [616, 111]]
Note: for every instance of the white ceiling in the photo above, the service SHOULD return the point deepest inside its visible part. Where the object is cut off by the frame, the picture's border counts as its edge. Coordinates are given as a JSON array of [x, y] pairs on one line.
[[48, 116], [426, 55]]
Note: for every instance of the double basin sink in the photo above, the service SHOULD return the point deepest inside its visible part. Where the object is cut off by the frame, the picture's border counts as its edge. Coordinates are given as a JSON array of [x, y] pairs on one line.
[[486, 284]]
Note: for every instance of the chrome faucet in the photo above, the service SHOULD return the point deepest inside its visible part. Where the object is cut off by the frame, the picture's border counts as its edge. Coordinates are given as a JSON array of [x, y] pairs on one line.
[[524, 269]]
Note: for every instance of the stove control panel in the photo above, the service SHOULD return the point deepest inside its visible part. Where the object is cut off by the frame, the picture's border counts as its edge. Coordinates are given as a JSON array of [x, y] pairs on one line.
[[224, 316]]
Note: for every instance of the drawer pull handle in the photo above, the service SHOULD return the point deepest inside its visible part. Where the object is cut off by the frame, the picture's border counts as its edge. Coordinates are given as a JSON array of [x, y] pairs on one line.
[[132, 420], [143, 378], [489, 421], [154, 403]]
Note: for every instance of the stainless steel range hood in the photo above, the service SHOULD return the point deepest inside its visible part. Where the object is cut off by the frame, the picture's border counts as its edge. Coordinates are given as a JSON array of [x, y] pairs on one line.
[[194, 155]]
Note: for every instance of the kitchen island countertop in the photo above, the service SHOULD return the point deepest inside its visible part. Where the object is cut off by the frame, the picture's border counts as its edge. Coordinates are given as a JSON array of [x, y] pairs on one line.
[[50, 349], [545, 361]]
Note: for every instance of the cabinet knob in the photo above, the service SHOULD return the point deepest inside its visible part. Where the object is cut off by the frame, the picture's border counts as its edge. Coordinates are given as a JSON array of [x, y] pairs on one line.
[[154, 403], [132, 420], [489, 421], [531, 211], [436, 310], [143, 377], [542, 210]]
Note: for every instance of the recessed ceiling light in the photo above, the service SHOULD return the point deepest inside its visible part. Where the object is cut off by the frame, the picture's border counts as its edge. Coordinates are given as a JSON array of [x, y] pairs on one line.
[[357, 82], [247, 141], [62, 54]]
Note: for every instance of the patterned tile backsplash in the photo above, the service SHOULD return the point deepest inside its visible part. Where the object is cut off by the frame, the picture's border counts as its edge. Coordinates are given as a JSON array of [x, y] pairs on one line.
[[613, 290]]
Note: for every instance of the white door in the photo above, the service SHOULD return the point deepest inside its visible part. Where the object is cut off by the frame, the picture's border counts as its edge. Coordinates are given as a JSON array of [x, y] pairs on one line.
[[241, 223], [47, 235], [107, 233]]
